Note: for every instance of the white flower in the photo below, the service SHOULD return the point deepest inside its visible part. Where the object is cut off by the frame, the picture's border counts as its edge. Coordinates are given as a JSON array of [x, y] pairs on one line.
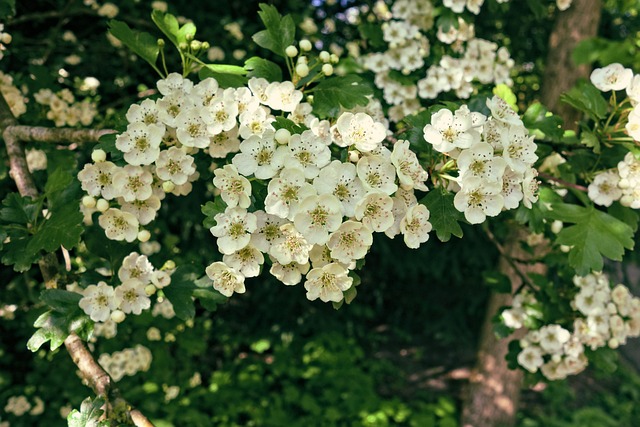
[[221, 114], [224, 143], [144, 210], [317, 216], [205, 91], [553, 338], [146, 113], [350, 242], [448, 132], [633, 90], [415, 226], [119, 225], [233, 229], [246, 261], [512, 188], [410, 172], [192, 127], [633, 126], [174, 165], [133, 183], [612, 77], [501, 111], [135, 266], [377, 173], [98, 301], [289, 274], [97, 179], [340, 179], [604, 189], [402, 200], [530, 187], [132, 296], [308, 153], [328, 283], [226, 280], [375, 211], [140, 143], [260, 156], [530, 358], [360, 130], [285, 193], [291, 246], [479, 199], [267, 230], [170, 106], [519, 150], [255, 122], [478, 162], [235, 189], [282, 96]]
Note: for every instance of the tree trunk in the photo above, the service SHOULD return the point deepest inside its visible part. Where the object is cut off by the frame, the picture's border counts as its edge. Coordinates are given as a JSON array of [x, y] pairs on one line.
[[493, 392], [577, 23]]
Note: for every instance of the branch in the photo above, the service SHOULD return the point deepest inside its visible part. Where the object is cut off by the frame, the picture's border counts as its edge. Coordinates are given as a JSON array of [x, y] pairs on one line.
[[551, 178], [97, 378]]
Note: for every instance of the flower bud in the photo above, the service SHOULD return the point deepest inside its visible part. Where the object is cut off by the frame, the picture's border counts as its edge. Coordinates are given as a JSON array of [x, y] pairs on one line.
[[150, 289], [102, 205], [325, 56], [291, 51], [118, 316], [327, 69], [169, 265], [195, 45], [98, 155], [183, 46], [144, 235], [89, 202], [305, 45], [556, 226], [302, 70], [282, 136], [160, 43], [168, 186]]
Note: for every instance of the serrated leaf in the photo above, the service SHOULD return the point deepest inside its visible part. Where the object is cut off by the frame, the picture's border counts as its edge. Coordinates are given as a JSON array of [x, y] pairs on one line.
[[19, 210], [290, 125], [55, 327], [625, 214], [224, 80], [18, 254], [444, 216], [258, 67], [180, 291], [538, 117], [89, 414], [280, 31], [209, 298], [503, 91], [595, 235], [141, 43], [63, 228], [335, 92], [60, 300], [590, 140], [588, 99]]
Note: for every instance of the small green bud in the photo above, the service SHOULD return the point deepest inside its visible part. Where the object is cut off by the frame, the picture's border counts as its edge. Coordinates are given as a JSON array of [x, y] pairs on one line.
[[183, 46], [291, 51], [205, 45], [305, 45], [160, 42], [196, 45]]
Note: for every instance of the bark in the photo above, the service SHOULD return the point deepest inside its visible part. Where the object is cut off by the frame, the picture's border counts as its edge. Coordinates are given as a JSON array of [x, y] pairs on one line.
[[95, 376], [493, 392], [577, 23]]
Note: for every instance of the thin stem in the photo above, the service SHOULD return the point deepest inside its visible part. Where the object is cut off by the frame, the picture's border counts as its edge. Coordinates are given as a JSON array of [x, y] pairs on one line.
[[526, 280], [551, 178]]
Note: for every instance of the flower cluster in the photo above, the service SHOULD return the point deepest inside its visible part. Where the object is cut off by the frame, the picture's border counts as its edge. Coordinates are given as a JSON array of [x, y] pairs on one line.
[[5, 39], [320, 212], [138, 280], [603, 316], [494, 157], [63, 109], [408, 50], [126, 362], [12, 95]]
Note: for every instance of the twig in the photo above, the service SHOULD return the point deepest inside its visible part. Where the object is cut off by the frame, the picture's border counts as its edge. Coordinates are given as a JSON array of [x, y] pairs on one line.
[[97, 378], [568, 184]]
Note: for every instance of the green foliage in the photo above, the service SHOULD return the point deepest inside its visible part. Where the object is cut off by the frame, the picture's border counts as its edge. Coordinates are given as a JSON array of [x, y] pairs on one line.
[[537, 117], [55, 326], [7, 9], [258, 67], [141, 43], [335, 92], [169, 25], [280, 31], [225, 80], [445, 217], [89, 414], [588, 99], [594, 235]]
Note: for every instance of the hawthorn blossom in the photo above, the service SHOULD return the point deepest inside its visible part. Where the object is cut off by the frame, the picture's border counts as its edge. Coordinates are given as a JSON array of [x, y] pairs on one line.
[[360, 130], [317, 216], [478, 162], [235, 189], [140, 143], [286, 191], [133, 183], [98, 301], [282, 96], [223, 143], [135, 266], [226, 280], [410, 172], [289, 274], [246, 261], [267, 230], [341, 180], [612, 77], [291, 246], [97, 179], [604, 189], [174, 165], [260, 156], [448, 131], [350, 242], [233, 229], [377, 173], [119, 225], [328, 283], [375, 210], [479, 199], [308, 153], [132, 296], [144, 210]]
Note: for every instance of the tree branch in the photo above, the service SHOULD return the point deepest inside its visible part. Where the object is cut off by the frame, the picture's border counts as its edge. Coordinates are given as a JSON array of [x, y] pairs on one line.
[[97, 378]]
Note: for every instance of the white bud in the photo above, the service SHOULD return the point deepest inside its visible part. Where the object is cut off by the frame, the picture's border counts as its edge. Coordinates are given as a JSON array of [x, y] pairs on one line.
[[282, 136], [98, 156], [626, 200], [150, 289], [169, 265], [302, 60], [144, 235], [354, 156], [624, 183], [102, 205], [327, 69], [305, 45], [557, 358], [89, 202], [565, 248], [556, 226], [334, 58], [291, 51], [325, 56], [168, 186], [118, 316], [6, 38], [613, 343], [302, 70]]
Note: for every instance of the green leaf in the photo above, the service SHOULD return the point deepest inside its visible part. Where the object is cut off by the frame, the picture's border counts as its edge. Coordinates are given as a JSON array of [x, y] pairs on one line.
[[335, 92], [17, 254], [258, 67], [280, 31], [209, 298], [444, 216], [537, 7], [63, 228], [89, 414], [169, 25], [18, 210], [590, 139], [595, 235], [290, 125], [586, 98], [211, 209], [224, 69], [59, 300], [140, 42], [503, 91], [224, 80], [625, 214], [55, 327], [372, 33], [180, 291], [538, 117]]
